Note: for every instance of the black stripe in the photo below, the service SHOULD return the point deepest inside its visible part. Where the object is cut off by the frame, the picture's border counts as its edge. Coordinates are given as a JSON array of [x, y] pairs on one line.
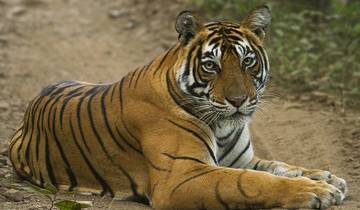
[[220, 142], [196, 69], [227, 135], [216, 45], [44, 110], [47, 90], [240, 188], [233, 143], [13, 142], [177, 48], [37, 149], [74, 92], [140, 71], [50, 112], [125, 140], [104, 114], [37, 146], [41, 178], [198, 137], [215, 40], [69, 171], [256, 165], [67, 98], [196, 169], [24, 132], [219, 26], [138, 199], [264, 56], [61, 89], [27, 149], [121, 94], [132, 74], [183, 158], [133, 184], [243, 49], [238, 157], [162, 60], [49, 168], [17, 131], [50, 88], [227, 24], [93, 128], [211, 35], [188, 59], [191, 89], [127, 129], [121, 89], [27, 156], [35, 113], [261, 66], [149, 64], [154, 166], [106, 188], [198, 127], [78, 115], [113, 91], [174, 95], [92, 93], [34, 109], [211, 24], [193, 177], [234, 38]]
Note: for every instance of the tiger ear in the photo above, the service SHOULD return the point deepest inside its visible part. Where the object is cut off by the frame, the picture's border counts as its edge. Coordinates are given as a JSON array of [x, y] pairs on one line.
[[257, 21], [187, 25]]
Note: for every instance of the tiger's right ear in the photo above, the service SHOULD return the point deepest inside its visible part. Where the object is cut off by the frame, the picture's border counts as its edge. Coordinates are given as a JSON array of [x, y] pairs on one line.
[[187, 25]]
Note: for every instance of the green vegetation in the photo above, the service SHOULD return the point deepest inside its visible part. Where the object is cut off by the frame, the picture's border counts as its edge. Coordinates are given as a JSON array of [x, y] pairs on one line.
[[312, 45], [50, 192]]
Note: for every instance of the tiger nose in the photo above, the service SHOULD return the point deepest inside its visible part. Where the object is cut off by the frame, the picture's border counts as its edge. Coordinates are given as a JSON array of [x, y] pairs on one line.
[[236, 101]]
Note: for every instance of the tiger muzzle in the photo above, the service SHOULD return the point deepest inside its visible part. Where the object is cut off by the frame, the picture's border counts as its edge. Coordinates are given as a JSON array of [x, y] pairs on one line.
[[237, 101]]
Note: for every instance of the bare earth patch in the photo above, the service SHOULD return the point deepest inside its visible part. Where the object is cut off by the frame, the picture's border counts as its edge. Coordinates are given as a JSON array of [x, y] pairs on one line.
[[43, 41]]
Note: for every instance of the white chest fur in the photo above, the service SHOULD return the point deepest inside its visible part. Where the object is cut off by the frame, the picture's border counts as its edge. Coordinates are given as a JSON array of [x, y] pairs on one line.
[[234, 147]]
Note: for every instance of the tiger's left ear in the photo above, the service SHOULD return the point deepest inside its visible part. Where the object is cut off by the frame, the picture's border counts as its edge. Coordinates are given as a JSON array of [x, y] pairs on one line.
[[257, 21], [188, 24]]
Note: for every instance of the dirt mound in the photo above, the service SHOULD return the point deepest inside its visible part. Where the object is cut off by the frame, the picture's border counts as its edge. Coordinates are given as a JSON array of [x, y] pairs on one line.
[[42, 41]]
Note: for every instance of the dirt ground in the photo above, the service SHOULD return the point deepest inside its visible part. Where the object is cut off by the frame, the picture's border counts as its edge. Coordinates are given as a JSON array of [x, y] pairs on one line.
[[43, 41]]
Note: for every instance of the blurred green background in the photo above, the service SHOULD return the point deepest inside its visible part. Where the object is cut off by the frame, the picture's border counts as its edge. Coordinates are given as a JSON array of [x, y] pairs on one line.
[[313, 45]]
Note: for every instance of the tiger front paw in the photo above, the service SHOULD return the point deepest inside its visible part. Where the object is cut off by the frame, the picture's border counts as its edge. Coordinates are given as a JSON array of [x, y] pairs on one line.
[[283, 169], [331, 179], [305, 193]]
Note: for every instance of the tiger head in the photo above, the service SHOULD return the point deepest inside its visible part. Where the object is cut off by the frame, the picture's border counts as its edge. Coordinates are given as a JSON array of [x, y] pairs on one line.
[[224, 67]]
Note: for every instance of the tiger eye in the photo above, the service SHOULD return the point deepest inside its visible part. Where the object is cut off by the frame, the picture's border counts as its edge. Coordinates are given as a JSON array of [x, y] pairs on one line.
[[209, 65], [248, 61]]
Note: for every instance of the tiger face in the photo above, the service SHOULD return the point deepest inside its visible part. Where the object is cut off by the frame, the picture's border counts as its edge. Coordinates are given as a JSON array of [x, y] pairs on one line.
[[225, 68]]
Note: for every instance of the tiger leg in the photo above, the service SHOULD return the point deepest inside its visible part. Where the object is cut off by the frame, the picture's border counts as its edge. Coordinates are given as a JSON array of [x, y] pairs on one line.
[[282, 169], [183, 175], [223, 188]]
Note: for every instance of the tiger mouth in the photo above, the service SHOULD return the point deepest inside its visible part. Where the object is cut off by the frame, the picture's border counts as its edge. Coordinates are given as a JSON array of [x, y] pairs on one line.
[[240, 115]]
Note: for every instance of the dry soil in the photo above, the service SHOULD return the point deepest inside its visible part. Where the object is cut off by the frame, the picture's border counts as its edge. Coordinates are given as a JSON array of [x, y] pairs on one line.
[[43, 41]]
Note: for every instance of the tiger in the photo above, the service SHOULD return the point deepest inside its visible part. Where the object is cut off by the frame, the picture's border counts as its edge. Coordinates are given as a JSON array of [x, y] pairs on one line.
[[174, 132]]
